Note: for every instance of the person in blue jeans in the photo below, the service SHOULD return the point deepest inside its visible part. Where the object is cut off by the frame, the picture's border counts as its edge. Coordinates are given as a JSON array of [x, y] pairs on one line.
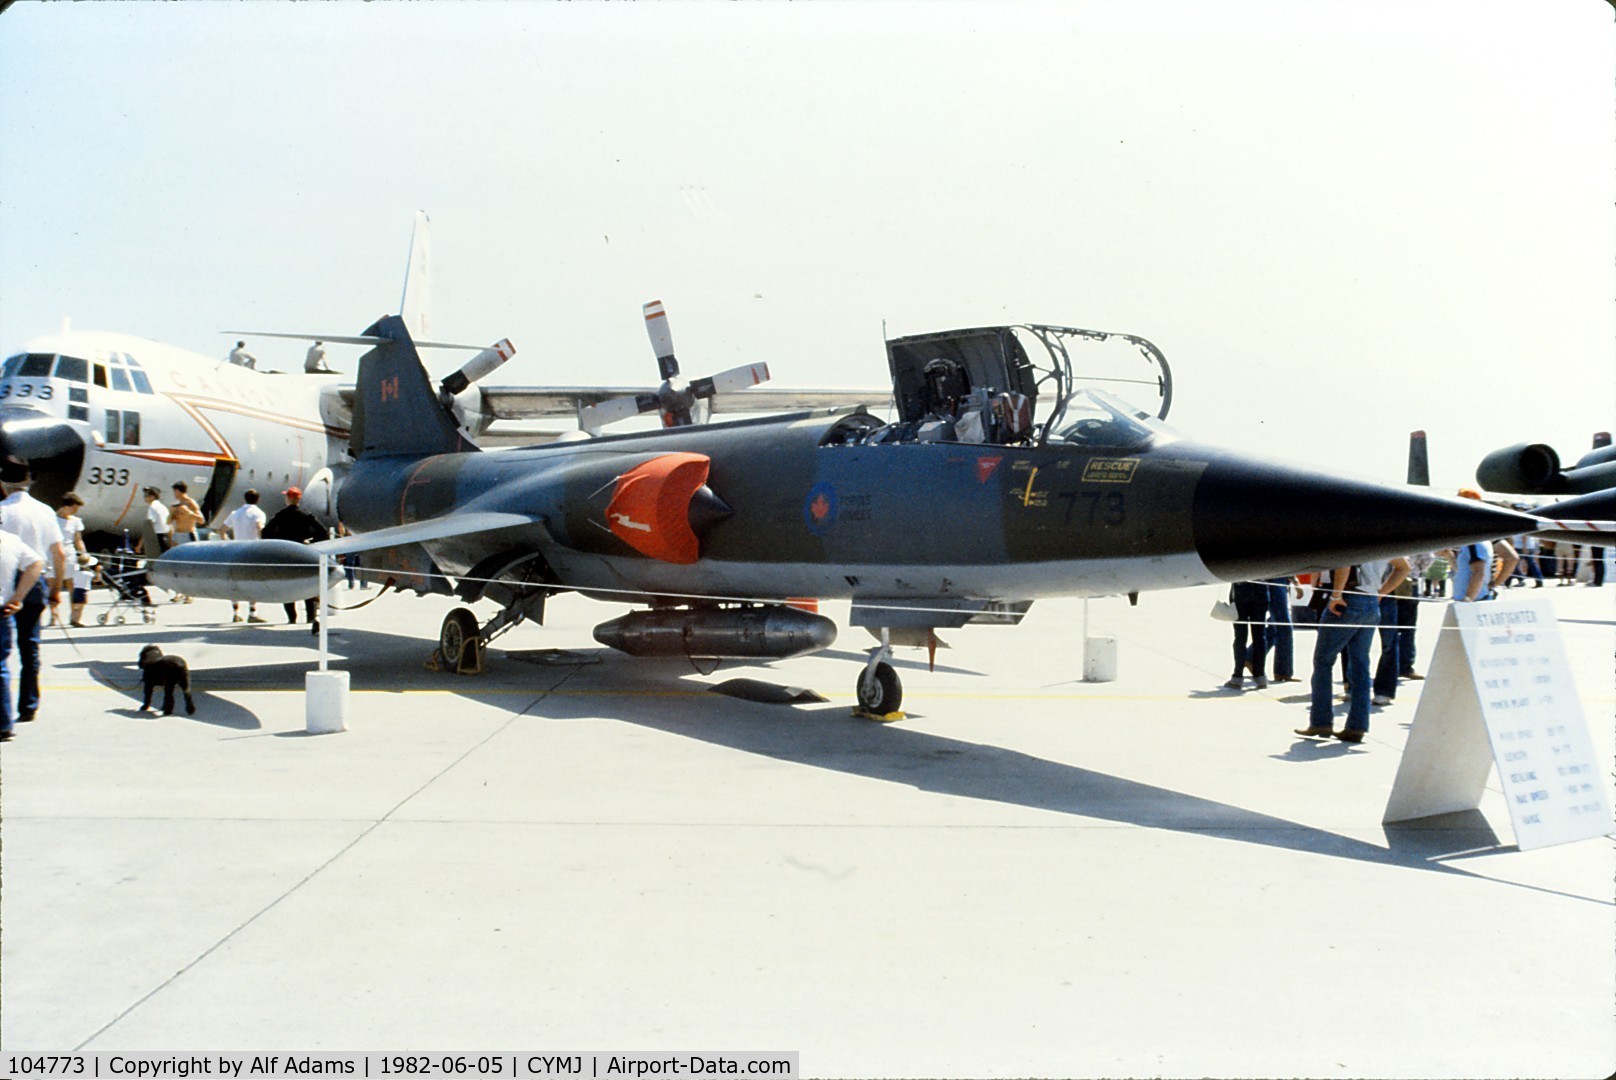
[[1391, 634], [1250, 599], [1346, 627], [20, 569], [1280, 638]]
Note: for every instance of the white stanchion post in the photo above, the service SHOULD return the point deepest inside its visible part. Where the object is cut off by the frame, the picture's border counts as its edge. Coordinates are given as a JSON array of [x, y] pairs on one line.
[[320, 617], [1099, 654], [326, 692]]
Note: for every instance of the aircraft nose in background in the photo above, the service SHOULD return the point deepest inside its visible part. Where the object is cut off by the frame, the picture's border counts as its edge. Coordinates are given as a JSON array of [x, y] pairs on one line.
[[1255, 520], [52, 447]]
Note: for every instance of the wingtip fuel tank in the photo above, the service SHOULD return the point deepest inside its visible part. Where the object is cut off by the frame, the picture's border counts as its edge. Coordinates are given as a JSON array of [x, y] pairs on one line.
[[259, 571]]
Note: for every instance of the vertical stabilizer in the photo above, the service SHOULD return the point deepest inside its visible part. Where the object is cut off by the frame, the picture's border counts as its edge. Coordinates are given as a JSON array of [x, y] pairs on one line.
[[415, 308], [1419, 460], [396, 410]]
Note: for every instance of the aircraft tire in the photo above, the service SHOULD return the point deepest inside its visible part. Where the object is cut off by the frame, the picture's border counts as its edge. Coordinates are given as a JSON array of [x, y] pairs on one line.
[[879, 691], [458, 633]]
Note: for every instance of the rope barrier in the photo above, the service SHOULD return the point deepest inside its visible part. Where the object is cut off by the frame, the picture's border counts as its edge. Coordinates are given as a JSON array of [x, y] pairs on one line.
[[389, 580]]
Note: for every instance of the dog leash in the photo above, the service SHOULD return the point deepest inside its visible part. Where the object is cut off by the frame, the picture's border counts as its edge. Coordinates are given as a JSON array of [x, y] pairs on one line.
[[93, 664]]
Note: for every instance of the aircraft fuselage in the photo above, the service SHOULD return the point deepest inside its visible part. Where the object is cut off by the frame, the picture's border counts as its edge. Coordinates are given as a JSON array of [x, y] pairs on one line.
[[813, 513], [126, 413]]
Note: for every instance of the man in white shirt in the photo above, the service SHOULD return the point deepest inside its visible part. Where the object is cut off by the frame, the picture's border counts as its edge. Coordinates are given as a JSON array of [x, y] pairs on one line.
[[241, 357], [20, 568], [72, 526], [246, 522], [34, 523], [157, 527]]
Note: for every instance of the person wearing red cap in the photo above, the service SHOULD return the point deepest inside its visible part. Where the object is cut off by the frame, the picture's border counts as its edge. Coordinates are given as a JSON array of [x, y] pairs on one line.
[[299, 526]]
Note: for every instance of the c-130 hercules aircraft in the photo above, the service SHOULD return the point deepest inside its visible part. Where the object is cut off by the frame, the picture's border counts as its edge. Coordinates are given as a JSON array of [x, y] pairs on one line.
[[964, 509]]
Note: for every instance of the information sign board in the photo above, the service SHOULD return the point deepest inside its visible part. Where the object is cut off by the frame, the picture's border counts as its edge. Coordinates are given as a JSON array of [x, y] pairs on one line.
[[1500, 692]]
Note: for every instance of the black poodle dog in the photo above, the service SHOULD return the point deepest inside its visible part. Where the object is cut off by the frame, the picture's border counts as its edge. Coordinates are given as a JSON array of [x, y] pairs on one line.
[[158, 669]]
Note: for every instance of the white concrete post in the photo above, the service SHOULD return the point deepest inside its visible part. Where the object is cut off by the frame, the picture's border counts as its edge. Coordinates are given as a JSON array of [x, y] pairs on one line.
[[326, 692]]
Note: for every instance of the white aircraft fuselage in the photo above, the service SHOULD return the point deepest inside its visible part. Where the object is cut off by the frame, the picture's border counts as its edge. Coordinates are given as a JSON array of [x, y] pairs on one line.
[[108, 414]]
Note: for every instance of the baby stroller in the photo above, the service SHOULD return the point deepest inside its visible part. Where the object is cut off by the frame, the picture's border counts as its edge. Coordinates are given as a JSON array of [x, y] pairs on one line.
[[124, 572]]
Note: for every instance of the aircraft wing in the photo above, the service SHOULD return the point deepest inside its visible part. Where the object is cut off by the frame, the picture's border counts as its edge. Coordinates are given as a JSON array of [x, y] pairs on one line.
[[783, 398], [458, 524], [539, 402], [548, 402]]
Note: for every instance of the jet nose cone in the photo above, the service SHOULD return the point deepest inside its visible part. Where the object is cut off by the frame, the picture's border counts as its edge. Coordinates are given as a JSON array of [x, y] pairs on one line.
[[1256, 520]]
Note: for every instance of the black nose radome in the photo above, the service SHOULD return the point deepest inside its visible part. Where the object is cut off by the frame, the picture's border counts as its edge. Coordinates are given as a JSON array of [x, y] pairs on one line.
[[1256, 520]]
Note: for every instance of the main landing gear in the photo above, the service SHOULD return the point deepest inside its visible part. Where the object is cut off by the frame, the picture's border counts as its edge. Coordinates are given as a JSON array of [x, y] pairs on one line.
[[879, 691], [460, 646], [462, 642]]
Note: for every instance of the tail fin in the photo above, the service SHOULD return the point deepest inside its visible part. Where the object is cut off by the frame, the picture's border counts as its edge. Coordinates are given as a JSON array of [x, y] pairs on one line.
[[1419, 460], [415, 306], [396, 411]]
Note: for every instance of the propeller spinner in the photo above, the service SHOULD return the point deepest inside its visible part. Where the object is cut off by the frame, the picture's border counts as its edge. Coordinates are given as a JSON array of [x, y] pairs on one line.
[[675, 399]]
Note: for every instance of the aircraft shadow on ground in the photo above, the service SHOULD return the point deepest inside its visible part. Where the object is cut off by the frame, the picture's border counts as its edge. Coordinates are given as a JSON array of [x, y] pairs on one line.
[[658, 695]]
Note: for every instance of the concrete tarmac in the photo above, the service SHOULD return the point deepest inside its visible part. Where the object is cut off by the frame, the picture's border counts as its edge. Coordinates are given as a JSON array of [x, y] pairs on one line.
[[1030, 876]]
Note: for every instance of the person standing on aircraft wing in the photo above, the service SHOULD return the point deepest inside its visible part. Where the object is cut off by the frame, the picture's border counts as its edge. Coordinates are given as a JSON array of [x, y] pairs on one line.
[[314, 362], [242, 358], [299, 526], [34, 523], [246, 522], [20, 569]]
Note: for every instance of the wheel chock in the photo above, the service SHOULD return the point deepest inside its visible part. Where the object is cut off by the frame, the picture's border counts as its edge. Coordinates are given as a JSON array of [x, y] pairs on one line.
[[880, 718]]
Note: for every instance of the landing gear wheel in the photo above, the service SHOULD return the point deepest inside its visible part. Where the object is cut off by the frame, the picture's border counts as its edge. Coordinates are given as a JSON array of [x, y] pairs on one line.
[[879, 691], [458, 644], [102, 618]]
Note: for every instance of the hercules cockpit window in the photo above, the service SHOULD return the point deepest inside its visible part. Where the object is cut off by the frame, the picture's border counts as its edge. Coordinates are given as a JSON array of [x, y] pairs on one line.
[[35, 365], [73, 368]]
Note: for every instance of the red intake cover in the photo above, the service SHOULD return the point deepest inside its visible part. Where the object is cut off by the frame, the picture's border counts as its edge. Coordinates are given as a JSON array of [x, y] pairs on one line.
[[650, 508]]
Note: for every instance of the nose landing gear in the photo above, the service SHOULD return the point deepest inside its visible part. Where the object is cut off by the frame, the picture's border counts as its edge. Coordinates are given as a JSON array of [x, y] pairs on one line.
[[879, 690]]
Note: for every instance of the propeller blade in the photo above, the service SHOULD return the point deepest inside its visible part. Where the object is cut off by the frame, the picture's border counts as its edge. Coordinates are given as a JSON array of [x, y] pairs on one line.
[[479, 365], [656, 325], [727, 382], [594, 417]]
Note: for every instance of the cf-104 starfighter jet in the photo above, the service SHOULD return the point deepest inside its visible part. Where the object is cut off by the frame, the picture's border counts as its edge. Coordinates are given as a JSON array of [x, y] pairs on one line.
[[997, 483]]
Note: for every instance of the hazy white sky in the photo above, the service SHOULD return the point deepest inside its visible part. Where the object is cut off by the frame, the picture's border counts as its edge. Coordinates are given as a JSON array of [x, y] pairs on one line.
[[1340, 221]]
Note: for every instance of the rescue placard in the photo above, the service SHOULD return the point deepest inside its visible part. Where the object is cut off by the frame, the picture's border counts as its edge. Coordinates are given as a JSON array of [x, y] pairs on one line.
[[1109, 470]]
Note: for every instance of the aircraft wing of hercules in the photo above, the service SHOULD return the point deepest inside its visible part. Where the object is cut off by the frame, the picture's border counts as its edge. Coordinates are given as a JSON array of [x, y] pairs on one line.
[[548, 402]]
